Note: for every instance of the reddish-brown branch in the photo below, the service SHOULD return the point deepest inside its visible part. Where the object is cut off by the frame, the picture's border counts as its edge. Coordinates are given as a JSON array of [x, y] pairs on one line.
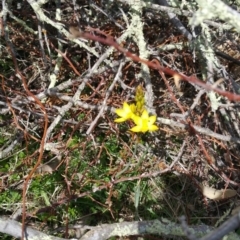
[[41, 148], [192, 79]]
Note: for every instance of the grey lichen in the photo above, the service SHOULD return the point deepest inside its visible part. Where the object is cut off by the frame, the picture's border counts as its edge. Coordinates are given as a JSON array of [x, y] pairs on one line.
[[138, 37], [209, 9], [166, 227]]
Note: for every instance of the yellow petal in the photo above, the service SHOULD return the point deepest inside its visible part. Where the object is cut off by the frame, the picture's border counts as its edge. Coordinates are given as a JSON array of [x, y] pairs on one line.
[[145, 114], [136, 129], [119, 120], [153, 128], [126, 107], [152, 119], [144, 128], [120, 112], [137, 120], [133, 108]]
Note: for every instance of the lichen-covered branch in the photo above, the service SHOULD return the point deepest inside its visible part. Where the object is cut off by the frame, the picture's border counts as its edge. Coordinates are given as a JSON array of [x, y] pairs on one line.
[[14, 228], [161, 227], [209, 9], [138, 36]]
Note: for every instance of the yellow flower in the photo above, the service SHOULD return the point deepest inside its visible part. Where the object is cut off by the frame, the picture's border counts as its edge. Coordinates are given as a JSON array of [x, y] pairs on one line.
[[144, 123], [140, 100], [125, 113]]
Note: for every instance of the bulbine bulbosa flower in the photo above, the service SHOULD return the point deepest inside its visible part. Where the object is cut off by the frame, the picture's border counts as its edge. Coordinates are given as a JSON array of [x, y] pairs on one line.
[[144, 123], [137, 113], [125, 113]]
